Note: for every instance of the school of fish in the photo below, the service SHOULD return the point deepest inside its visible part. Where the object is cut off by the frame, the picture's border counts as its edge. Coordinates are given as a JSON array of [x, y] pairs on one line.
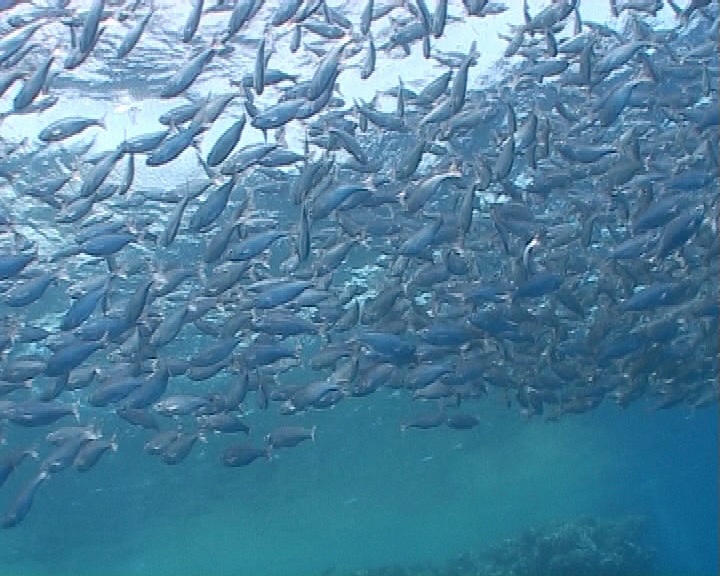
[[549, 241]]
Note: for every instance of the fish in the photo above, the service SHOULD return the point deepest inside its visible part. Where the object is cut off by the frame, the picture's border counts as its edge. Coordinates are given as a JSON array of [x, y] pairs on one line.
[[172, 147], [90, 26], [9, 462], [91, 452], [160, 441], [188, 73], [38, 413], [241, 14], [424, 420], [67, 127], [65, 453], [179, 448], [29, 291], [390, 347], [133, 36], [336, 211], [223, 422], [83, 307], [179, 404], [70, 356], [13, 264], [242, 454], [23, 501], [143, 143], [193, 21], [225, 144], [32, 86], [212, 207], [113, 392], [139, 417], [97, 175], [279, 293], [289, 436], [461, 421]]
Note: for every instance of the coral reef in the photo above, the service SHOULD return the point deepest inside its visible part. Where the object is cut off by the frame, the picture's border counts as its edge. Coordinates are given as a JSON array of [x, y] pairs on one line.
[[585, 546]]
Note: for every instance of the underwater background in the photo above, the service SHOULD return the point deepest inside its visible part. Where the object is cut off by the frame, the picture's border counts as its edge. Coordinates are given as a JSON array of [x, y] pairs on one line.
[[365, 496], [614, 490]]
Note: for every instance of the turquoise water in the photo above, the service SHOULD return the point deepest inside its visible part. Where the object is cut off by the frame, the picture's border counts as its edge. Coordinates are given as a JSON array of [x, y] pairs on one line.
[[365, 495]]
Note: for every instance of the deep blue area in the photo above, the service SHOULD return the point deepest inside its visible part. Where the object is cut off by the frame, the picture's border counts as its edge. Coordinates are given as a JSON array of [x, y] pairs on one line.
[[366, 495]]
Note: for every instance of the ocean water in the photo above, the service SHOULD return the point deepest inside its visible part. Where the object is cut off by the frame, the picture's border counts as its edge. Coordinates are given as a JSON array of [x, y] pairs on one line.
[[365, 496]]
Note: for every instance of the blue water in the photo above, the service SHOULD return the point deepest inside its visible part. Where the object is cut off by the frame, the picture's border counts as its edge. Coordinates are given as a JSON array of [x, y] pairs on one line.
[[365, 495]]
